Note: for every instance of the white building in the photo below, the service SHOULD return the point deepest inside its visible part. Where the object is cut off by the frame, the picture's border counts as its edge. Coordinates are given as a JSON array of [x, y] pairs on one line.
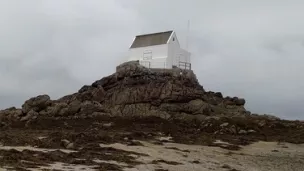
[[159, 50]]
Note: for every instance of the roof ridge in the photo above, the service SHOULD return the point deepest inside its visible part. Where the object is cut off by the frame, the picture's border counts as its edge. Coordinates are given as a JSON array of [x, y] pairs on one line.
[[147, 34]]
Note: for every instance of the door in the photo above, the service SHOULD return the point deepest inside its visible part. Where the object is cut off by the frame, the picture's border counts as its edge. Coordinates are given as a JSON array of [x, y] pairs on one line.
[[147, 55], [146, 58]]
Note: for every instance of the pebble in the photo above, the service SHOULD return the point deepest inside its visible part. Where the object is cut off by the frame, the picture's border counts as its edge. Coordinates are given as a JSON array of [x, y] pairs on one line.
[[242, 132], [251, 131], [70, 146], [224, 124], [107, 124]]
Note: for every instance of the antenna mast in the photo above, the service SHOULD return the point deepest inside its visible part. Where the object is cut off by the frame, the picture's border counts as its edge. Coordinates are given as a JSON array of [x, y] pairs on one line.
[[187, 37]]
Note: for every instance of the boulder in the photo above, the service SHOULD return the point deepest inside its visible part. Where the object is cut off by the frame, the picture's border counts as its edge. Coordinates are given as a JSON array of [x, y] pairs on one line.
[[240, 102], [11, 112], [229, 102], [36, 103], [72, 109], [198, 107], [90, 93], [89, 107], [85, 88], [131, 68], [31, 115], [54, 110], [218, 94]]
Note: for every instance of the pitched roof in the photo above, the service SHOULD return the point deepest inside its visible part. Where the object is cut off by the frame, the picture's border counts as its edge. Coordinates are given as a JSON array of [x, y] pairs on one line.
[[151, 39]]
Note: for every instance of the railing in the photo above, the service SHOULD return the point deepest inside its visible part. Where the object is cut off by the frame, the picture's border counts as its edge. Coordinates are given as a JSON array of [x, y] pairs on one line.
[[162, 65], [184, 65], [146, 64], [153, 64]]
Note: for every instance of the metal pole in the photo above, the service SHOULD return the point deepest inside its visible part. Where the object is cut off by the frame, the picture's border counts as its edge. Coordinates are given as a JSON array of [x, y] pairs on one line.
[[187, 40]]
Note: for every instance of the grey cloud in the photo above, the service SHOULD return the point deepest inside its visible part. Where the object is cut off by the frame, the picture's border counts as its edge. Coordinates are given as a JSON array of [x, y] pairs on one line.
[[55, 47], [252, 49]]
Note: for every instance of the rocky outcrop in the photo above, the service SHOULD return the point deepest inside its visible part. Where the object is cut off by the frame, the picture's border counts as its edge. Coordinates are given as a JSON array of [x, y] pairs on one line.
[[134, 90], [36, 103], [10, 114]]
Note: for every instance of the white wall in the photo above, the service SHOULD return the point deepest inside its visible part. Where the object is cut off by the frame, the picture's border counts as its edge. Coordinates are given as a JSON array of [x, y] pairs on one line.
[[159, 55], [176, 54], [173, 50]]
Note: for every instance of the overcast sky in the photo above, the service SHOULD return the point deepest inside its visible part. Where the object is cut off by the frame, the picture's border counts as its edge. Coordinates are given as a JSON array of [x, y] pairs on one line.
[[252, 49]]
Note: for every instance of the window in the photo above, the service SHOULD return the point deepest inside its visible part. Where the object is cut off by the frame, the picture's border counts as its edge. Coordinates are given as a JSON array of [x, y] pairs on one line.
[[173, 39], [147, 55]]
